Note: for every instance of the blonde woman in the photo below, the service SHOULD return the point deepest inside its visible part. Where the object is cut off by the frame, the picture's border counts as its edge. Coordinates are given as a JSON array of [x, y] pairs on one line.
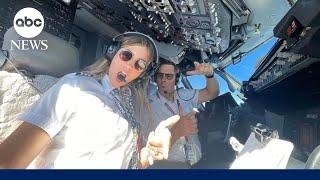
[[88, 119]]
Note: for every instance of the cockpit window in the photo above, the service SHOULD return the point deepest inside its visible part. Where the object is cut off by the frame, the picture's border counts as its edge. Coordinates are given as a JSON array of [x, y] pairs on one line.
[[245, 68]]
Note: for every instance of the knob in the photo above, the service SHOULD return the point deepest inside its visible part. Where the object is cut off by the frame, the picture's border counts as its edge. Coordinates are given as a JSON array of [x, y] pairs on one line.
[[194, 10]]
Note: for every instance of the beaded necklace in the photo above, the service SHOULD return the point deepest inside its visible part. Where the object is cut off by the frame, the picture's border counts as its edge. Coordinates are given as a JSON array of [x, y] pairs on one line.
[[126, 107]]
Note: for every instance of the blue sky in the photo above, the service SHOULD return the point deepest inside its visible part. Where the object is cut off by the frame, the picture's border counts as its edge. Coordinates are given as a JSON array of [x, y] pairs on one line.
[[241, 71]]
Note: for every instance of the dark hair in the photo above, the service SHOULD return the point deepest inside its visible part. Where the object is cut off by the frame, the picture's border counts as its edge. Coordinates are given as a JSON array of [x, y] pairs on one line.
[[163, 61]]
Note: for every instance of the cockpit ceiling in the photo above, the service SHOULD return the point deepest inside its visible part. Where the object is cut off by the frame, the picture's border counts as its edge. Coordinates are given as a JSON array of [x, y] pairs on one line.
[[218, 27]]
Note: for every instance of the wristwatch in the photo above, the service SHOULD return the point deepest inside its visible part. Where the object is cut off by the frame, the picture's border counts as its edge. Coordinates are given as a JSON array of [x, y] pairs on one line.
[[210, 75]]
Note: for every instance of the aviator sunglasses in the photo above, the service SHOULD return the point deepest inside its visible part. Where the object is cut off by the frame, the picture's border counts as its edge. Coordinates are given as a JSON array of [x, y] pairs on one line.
[[168, 76], [126, 55]]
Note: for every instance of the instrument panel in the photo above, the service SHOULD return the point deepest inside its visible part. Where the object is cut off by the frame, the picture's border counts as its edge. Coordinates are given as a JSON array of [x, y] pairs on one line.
[[203, 25]]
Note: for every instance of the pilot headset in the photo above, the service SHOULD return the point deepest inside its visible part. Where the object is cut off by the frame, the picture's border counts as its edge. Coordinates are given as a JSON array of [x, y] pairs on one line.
[[115, 45], [178, 74], [164, 61]]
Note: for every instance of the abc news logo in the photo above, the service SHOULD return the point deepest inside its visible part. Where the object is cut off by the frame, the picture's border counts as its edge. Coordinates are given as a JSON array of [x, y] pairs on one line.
[[29, 23]]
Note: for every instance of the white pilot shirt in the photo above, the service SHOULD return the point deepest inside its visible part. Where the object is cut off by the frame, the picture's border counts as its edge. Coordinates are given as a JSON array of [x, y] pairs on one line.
[[188, 100], [86, 129]]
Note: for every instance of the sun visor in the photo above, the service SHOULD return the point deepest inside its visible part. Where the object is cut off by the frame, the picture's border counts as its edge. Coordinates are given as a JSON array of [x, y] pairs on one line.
[[170, 52]]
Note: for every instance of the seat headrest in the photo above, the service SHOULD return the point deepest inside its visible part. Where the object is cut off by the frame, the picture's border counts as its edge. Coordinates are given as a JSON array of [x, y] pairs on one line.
[[59, 59]]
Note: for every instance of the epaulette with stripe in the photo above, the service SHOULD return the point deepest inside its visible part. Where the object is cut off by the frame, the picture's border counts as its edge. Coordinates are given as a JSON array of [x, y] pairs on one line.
[[84, 74]]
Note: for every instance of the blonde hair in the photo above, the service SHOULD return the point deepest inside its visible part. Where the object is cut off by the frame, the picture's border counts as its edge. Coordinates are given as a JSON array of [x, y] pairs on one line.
[[140, 88]]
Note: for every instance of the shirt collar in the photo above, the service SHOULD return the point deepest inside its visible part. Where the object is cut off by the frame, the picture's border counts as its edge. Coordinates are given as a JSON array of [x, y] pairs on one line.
[[163, 99], [106, 84]]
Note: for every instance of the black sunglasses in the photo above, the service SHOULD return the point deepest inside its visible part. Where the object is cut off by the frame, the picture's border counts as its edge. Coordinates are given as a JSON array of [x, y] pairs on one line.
[[168, 76], [126, 55]]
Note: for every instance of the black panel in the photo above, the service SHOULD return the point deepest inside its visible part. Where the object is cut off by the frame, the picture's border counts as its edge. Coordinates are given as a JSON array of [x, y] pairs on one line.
[[212, 125], [306, 12]]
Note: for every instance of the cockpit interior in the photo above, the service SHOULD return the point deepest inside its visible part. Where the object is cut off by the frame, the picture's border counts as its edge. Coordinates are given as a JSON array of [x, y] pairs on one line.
[[282, 93]]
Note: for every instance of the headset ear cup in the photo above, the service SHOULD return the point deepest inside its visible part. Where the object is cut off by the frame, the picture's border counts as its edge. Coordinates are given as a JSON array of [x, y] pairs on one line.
[[112, 49], [177, 78]]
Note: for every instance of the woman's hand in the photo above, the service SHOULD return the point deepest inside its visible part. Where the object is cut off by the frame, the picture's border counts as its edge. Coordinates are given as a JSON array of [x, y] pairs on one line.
[[158, 142]]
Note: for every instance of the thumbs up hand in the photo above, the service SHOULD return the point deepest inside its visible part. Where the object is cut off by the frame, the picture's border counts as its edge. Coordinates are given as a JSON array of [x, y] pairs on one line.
[[162, 135], [158, 144]]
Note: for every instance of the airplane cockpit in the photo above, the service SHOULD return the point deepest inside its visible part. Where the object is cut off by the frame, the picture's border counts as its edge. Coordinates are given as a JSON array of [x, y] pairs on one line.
[[282, 93]]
